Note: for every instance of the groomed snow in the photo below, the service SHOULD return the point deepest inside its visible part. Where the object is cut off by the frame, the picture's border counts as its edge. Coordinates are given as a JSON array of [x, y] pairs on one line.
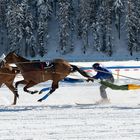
[[59, 118]]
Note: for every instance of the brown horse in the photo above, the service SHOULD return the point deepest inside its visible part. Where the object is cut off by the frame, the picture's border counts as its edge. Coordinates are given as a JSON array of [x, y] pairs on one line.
[[35, 72], [7, 76]]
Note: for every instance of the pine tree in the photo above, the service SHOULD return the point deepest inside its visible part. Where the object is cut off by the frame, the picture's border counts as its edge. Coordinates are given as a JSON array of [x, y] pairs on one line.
[[118, 10], [14, 24], [94, 22], [53, 4], [84, 23], [109, 27], [28, 27], [137, 11], [102, 26], [2, 21], [64, 25], [44, 12], [72, 25], [132, 22]]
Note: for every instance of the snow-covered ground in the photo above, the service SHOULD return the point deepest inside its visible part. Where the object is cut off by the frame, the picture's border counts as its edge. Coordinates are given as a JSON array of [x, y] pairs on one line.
[[59, 118]]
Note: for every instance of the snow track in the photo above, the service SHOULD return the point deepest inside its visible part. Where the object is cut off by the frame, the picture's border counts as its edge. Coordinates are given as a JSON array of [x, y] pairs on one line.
[[59, 118], [69, 122]]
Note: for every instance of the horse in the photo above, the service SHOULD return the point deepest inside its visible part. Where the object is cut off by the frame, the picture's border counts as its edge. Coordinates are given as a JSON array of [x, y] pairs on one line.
[[7, 76], [35, 72]]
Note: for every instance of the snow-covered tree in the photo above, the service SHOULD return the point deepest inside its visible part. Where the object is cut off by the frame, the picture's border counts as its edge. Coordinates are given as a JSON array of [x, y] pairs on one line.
[[105, 27], [94, 22], [109, 27], [14, 17], [84, 23], [102, 26], [72, 25], [137, 12], [2, 20], [29, 37], [53, 4], [118, 10], [44, 12], [64, 25], [89, 22], [132, 23]]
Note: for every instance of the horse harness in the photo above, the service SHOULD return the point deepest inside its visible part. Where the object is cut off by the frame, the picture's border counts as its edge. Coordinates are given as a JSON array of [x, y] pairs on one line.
[[47, 65]]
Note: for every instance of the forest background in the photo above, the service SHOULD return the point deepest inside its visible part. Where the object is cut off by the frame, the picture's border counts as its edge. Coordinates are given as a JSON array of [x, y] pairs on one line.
[[77, 30]]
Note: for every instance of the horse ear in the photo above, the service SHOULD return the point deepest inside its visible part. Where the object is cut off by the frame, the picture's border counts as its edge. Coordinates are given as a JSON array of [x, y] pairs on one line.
[[13, 51]]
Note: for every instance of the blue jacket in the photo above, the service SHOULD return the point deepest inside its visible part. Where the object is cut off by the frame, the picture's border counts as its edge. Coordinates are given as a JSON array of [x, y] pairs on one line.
[[103, 73]]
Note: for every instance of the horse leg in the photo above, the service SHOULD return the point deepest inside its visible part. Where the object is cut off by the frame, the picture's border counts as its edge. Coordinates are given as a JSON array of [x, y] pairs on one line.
[[12, 88], [83, 73], [44, 89], [20, 82], [30, 84], [53, 88]]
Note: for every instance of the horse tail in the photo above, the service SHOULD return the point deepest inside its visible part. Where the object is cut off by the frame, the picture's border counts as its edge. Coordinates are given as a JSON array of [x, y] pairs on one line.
[[75, 68]]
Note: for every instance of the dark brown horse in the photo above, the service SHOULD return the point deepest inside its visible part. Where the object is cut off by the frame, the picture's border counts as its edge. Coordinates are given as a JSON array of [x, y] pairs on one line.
[[35, 72], [7, 76]]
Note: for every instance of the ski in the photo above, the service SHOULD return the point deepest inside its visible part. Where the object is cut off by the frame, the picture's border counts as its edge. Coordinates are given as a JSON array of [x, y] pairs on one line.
[[86, 104], [100, 102]]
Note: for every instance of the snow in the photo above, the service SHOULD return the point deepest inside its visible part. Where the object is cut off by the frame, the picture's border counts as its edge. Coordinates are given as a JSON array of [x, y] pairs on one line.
[[59, 118]]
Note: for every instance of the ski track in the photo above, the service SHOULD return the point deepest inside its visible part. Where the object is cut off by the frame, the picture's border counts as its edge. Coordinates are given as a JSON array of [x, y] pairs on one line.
[[58, 118]]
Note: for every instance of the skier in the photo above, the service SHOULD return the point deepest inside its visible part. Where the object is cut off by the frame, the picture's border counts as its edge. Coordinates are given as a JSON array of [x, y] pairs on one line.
[[105, 75]]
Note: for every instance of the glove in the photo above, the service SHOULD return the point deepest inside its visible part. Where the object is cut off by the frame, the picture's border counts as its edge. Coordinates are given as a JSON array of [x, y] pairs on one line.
[[92, 80]]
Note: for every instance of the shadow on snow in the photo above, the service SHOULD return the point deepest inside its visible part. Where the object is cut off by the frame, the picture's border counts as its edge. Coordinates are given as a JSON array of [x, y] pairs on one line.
[[61, 107]]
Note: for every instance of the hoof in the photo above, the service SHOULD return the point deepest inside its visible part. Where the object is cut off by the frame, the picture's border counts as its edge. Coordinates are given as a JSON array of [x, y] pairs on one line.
[[17, 95], [33, 92], [40, 92], [40, 100]]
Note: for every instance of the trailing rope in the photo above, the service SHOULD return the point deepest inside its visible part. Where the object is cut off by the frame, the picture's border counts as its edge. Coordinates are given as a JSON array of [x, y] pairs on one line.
[[120, 75], [117, 74], [28, 62], [97, 70], [28, 72]]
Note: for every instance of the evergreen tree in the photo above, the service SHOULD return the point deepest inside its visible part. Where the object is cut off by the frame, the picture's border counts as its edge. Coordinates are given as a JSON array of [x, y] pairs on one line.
[[132, 22], [64, 25], [14, 17], [109, 27], [29, 38], [94, 22], [84, 23], [2, 21], [118, 10], [72, 25], [44, 12], [27, 25], [102, 26], [137, 12]]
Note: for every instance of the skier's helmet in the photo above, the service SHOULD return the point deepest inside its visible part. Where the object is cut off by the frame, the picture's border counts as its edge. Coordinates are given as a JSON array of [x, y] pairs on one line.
[[95, 66]]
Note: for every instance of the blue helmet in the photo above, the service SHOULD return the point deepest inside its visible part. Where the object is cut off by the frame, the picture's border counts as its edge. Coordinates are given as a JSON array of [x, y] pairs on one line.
[[96, 65]]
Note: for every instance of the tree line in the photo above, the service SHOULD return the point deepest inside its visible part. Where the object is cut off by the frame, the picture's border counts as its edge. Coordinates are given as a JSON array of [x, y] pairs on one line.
[[25, 25]]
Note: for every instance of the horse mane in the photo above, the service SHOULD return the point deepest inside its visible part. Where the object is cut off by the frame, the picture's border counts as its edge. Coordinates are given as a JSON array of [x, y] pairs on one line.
[[22, 58]]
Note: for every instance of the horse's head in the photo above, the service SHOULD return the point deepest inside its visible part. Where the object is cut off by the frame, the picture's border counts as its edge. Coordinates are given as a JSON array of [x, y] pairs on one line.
[[11, 57]]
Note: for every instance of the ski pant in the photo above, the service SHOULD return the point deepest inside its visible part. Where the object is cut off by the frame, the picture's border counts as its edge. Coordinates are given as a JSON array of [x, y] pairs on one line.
[[103, 88]]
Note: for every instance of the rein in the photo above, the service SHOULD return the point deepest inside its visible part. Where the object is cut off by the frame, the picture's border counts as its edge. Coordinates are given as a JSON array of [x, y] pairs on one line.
[[28, 72]]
